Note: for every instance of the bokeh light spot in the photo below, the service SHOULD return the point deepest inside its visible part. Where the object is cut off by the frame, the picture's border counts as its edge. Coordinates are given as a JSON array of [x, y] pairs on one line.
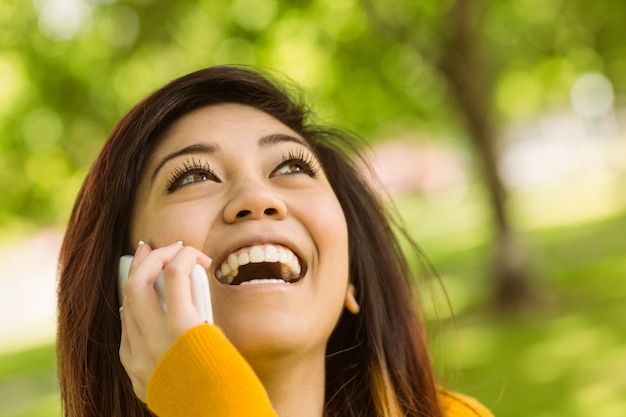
[[62, 20], [592, 95], [11, 82]]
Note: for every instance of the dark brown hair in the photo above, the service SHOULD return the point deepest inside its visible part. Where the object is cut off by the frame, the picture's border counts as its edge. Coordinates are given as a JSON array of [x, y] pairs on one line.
[[377, 361]]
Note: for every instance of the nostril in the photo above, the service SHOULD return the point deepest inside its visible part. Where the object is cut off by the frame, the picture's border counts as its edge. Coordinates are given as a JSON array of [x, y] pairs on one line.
[[243, 213], [267, 212]]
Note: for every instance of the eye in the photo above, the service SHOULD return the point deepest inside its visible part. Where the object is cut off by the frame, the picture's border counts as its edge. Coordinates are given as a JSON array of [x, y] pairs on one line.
[[297, 163], [191, 172]]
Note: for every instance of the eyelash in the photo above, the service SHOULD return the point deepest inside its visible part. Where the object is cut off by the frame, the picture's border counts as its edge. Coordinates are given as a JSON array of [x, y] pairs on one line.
[[189, 167], [303, 159]]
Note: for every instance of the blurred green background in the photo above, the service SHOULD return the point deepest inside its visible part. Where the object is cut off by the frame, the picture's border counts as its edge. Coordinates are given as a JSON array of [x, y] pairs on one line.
[[495, 126]]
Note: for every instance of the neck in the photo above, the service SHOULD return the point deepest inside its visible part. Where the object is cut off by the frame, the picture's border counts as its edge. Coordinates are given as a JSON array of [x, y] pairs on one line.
[[295, 385]]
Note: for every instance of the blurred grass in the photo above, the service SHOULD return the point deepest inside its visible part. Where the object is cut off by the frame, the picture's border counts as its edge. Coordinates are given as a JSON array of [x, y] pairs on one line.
[[28, 383], [564, 358]]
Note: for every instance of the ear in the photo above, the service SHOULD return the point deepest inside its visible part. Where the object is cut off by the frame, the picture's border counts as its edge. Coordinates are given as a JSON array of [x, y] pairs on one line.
[[351, 304]]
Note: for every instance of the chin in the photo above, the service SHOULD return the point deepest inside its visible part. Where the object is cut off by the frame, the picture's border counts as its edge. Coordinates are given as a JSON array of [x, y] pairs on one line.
[[274, 337]]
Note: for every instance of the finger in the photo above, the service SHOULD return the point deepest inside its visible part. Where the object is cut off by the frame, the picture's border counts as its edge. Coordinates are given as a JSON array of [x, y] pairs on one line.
[[134, 355], [125, 351], [178, 286], [144, 270], [149, 262], [131, 335], [142, 250], [177, 275]]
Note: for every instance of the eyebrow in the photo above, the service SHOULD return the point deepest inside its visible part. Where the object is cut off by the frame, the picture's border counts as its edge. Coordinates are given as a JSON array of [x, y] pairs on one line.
[[280, 138], [212, 148]]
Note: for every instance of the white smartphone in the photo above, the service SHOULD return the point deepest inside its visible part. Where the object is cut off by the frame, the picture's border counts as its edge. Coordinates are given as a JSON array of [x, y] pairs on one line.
[[200, 292]]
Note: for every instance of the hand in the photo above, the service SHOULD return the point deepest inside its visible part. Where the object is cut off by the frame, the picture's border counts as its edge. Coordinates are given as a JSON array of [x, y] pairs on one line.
[[147, 330]]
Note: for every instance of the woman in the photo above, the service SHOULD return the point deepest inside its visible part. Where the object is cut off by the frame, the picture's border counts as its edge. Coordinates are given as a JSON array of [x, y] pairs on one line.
[[311, 293]]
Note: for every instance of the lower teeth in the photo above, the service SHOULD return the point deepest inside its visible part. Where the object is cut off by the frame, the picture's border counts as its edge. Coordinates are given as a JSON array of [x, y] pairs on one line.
[[263, 281]]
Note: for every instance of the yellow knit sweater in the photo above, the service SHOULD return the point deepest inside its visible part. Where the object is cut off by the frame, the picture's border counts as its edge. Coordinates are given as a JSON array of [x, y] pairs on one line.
[[203, 357]]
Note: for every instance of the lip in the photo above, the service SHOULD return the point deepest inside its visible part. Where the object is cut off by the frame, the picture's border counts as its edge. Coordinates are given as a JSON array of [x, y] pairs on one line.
[[251, 241]]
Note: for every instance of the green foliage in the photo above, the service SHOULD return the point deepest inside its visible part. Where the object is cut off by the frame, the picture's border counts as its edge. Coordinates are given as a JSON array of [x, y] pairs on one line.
[[68, 73]]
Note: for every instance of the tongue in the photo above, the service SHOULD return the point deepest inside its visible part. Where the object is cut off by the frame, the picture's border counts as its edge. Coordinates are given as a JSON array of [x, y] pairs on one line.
[[264, 270]]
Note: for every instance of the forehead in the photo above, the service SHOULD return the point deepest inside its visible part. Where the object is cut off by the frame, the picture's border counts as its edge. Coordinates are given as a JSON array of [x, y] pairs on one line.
[[225, 125]]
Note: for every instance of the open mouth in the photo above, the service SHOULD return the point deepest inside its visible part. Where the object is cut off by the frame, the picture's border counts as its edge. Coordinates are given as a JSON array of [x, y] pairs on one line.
[[264, 264]]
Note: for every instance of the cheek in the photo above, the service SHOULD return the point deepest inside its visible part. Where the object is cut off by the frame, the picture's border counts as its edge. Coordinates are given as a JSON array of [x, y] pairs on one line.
[[170, 224], [331, 235], [330, 225]]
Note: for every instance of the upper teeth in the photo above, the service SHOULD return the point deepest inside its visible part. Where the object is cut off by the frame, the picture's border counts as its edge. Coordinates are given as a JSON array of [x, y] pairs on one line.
[[289, 264]]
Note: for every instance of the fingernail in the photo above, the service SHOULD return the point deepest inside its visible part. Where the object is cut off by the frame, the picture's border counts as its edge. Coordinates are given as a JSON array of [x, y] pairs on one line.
[[180, 242], [140, 245]]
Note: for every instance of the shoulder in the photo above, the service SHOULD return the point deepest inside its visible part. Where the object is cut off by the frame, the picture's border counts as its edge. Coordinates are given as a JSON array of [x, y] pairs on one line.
[[454, 404]]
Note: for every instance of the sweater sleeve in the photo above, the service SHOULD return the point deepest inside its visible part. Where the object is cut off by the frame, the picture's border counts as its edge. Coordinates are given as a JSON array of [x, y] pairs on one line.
[[202, 375], [457, 405]]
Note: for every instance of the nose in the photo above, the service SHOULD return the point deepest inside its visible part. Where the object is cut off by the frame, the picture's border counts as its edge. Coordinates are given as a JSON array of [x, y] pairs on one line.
[[254, 201]]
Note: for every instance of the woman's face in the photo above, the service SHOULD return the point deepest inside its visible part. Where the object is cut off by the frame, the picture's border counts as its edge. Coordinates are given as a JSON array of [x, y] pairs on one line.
[[245, 189]]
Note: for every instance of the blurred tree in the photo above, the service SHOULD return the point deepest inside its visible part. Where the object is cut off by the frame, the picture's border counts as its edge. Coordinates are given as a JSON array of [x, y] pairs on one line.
[[501, 62], [457, 49], [464, 64], [457, 69]]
